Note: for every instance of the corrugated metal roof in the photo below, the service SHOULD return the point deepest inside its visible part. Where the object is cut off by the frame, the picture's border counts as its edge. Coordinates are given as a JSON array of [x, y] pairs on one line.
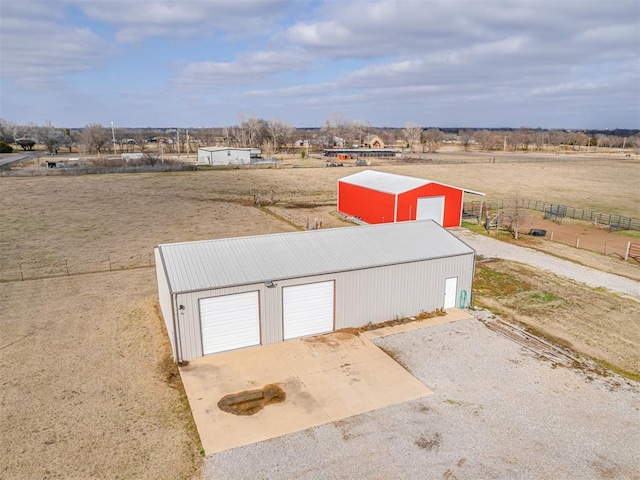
[[242, 260], [392, 183], [219, 149], [385, 182]]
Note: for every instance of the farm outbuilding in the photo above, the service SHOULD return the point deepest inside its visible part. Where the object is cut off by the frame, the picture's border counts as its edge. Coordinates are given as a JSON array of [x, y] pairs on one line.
[[225, 294], [228, 156], [379, 197]]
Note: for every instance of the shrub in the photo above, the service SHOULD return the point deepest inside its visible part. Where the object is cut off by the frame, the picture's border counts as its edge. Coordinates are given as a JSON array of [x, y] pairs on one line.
[[4, 148]]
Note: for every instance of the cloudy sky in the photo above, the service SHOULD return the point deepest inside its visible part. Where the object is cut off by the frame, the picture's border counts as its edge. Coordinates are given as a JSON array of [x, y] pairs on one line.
[[446, 63]]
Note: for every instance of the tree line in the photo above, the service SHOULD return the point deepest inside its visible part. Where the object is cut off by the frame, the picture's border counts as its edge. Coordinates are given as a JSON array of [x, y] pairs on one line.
[[274, 136]]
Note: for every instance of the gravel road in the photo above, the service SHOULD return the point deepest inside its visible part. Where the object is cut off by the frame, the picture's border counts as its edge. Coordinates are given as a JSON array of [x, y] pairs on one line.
[[497, 411], [489, 247]]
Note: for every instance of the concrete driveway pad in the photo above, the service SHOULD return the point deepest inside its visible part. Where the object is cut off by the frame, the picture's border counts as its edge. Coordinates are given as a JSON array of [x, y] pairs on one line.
[[325, 378]]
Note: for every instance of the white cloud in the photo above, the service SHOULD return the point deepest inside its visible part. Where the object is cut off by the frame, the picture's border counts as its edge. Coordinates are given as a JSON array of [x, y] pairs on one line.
[[282, 54], [296, 91], [249, 68], [570, 87], [136, 20], [329, 34], [45, 51]]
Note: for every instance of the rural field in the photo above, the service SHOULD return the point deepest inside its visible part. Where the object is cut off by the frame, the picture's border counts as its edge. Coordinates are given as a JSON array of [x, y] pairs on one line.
[[88, 388]]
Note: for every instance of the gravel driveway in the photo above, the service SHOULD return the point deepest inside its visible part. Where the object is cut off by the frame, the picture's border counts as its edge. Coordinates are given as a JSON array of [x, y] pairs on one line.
[[498, 411], [489, 247]]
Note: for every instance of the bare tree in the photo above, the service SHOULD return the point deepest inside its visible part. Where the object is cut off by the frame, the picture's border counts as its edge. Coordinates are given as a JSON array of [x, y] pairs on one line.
[[95, 138], [488, 140], [520, 139], [336, 129], [150, 158], [466, 138], [32, 131], [358, 130], [140, 139], [514, 215], [279, 133], [250, 127], [432, 138], [412, 134], [11, 131], [539, 139], [51, 137], [269, 147], [6, 131]]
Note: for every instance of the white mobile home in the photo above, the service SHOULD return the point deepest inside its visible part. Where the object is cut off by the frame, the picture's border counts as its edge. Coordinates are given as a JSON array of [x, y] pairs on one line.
[[227, 156]]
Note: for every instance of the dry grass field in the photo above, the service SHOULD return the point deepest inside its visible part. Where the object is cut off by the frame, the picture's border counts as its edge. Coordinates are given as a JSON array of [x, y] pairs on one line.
[[86, 387], [588, 321]]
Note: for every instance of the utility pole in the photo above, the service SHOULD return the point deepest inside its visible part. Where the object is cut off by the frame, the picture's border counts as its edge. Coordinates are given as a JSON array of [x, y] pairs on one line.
[[188, 149], [178, 136], [113, 138]]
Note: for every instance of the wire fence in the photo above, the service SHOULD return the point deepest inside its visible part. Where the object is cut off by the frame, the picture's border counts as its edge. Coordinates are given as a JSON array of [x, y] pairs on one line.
[[628, 251], [557, 212], [28, 270]]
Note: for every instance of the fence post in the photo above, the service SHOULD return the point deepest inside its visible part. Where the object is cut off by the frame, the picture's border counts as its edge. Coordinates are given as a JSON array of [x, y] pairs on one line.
[[577, 242], [552, 235], [626, 253]]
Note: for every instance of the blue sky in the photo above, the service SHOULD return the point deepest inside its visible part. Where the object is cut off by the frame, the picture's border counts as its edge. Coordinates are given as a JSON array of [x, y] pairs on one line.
[[197, 63]]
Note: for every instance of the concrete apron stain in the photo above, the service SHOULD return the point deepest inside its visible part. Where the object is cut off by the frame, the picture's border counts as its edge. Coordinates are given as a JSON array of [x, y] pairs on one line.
[[249, 402]]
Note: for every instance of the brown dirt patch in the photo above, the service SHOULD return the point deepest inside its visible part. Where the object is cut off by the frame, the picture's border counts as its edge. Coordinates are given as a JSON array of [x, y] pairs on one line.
[[250, 402], [429, 443]]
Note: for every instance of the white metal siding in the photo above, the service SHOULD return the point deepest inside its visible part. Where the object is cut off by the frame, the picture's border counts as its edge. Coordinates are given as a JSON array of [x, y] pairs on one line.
[[307, 309], [431, 208], [379, 294], [164, 297], [363, 296], [229, 322]]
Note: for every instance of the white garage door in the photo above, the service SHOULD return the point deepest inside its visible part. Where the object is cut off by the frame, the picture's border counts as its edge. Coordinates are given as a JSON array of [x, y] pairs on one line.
[[430, 208], [229, 322], [307, 309]]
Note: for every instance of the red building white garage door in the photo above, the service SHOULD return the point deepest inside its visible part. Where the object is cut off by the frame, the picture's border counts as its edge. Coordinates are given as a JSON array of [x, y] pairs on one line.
[[431, 208]]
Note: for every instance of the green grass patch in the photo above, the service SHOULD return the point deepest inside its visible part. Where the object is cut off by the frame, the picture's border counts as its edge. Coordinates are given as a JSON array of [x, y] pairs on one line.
[[627, 233], [492, 283], [544, 297], [630, 375]]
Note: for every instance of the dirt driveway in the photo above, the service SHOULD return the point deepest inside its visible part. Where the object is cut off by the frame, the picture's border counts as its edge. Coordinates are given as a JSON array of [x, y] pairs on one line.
[[497, 411]]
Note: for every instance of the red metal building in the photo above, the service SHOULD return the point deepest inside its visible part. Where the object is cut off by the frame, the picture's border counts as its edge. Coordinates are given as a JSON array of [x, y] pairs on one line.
[[378, 197]]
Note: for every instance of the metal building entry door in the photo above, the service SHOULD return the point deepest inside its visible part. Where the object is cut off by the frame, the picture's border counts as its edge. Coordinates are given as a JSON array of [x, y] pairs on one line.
[[450, 289]]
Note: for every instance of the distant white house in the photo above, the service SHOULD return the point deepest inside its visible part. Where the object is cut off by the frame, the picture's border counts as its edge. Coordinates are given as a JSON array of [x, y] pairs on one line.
[[228, 156], [128, 157]]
